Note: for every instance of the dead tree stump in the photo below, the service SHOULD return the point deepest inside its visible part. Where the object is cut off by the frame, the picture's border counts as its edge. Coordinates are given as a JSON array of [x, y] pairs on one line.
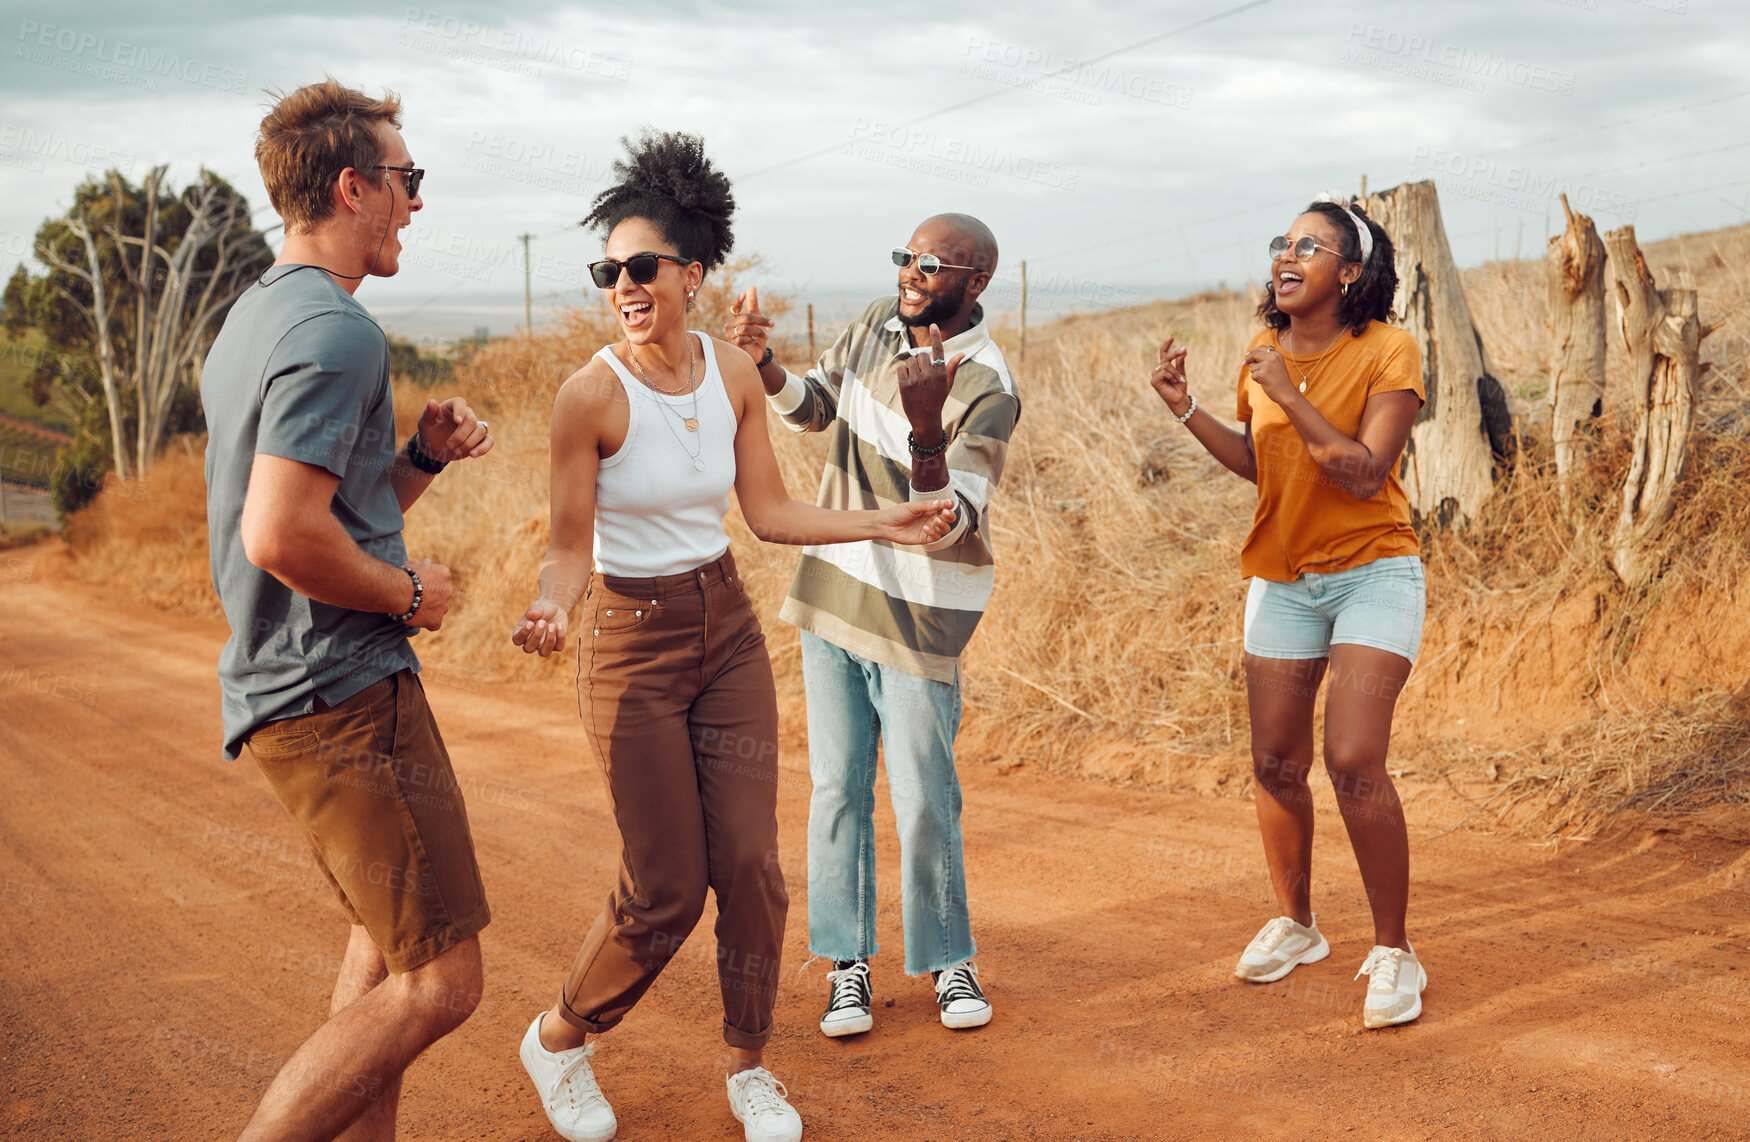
[[1662, 333], [1574, 267], [1465, 428]]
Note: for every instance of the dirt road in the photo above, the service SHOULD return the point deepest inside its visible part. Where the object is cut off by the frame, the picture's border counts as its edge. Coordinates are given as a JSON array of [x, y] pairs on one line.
[[166, 944]]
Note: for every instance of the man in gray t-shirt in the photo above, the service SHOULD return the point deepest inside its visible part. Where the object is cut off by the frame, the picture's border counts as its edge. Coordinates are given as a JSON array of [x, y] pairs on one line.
[[300, 371], [305, 493]]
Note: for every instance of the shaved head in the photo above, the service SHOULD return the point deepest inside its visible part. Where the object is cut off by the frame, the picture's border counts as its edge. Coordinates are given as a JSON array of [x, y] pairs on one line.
[[979, 245]]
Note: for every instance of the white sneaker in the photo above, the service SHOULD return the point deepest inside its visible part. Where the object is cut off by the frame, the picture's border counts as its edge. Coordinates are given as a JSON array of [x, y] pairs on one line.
[[756, 1099], [848, 1000], [568, 1090], [957, 992], [1279, 947], [1394, 986]]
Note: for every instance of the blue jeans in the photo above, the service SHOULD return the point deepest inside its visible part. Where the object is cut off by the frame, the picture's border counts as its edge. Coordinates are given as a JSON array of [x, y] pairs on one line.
[[852, 704]]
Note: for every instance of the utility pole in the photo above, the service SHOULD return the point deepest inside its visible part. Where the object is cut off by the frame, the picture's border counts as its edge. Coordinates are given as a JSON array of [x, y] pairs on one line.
[[1023, 310], [528, 307]]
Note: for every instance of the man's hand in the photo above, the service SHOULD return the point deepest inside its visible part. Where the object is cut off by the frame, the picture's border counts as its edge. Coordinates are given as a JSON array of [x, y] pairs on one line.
[[542, 629], [924, 382], [747, 326], [451, 431], [437, 590]]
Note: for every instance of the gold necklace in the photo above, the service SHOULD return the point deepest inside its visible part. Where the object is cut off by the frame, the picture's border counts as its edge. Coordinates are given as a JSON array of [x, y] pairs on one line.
[[1304, 376], [692, 422]]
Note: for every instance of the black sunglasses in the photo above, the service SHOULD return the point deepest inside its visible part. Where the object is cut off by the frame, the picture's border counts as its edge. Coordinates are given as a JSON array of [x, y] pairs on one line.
[[410, 177], [642, 267], [927, 263]]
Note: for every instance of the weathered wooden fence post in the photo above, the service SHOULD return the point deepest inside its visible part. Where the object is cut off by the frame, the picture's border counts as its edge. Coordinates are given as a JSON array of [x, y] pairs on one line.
[[1574, 268], [1662, 333], [1448, 465]]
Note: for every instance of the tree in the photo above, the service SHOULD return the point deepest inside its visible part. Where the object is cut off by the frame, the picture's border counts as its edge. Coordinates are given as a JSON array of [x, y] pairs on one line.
[[139, 281], [1465, 427]]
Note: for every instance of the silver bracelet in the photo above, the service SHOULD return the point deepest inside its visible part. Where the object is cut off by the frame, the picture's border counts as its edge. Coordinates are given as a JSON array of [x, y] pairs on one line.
[[1188, 412]]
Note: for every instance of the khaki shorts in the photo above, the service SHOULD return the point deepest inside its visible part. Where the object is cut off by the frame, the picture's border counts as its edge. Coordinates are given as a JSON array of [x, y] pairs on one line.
[[370, 783]]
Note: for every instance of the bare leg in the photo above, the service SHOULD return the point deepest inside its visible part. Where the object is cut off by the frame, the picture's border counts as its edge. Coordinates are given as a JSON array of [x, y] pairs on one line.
[[1365, 684], [343, 1069], [746, 1059], [360, 971], [1280, 693]]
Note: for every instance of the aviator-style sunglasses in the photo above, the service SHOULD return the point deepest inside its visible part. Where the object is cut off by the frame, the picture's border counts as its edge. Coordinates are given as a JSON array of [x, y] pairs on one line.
[[927, 263], [410, 177], [1303, 249], [642, 267]]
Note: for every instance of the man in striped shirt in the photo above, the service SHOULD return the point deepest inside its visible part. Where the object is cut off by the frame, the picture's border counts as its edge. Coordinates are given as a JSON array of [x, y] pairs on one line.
[[917, 398]]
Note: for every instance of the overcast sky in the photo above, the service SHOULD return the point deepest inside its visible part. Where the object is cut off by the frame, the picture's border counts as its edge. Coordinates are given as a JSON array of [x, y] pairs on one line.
[[1166, 162]]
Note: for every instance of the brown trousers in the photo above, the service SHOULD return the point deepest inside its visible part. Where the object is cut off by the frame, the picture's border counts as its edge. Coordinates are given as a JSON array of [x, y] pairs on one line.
[[675, 689]]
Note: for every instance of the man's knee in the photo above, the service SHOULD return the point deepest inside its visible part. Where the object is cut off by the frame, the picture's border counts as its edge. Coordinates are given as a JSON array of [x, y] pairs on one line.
[[445, 991]]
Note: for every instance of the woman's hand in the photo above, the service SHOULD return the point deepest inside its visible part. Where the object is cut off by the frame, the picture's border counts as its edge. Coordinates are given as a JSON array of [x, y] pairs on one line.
[[1271, 372], [917, 521], [542, 630], [1168, 378]]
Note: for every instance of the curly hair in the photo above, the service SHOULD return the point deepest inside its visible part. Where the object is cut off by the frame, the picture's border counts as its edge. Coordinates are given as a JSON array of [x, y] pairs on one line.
[[1370, 296], [666, 180]]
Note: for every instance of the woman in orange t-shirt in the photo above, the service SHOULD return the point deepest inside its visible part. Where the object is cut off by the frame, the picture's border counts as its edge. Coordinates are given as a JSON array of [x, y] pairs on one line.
[[1327, 395]]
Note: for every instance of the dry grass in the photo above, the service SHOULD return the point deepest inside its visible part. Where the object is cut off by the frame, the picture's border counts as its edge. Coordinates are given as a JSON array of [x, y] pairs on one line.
[[1111, 647]]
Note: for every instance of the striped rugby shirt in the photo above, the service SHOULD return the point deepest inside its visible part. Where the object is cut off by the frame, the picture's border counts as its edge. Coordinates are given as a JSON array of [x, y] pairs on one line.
[[911, 608]]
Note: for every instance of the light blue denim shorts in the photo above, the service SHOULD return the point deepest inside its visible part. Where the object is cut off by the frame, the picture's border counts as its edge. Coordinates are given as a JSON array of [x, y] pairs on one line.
[[1379, 604]]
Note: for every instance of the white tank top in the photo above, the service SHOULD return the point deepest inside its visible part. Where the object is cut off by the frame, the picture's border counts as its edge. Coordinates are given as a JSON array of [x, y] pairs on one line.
[[660, 500]]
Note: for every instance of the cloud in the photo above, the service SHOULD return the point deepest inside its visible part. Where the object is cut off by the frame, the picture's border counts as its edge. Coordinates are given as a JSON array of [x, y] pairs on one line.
[[1161, 165]]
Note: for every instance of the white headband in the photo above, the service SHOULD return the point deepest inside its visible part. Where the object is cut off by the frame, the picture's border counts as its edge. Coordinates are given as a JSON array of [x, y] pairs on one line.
[[1361, 230]]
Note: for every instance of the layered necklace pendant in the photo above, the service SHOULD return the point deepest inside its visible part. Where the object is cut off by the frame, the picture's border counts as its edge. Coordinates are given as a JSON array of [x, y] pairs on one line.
[[663, 410]]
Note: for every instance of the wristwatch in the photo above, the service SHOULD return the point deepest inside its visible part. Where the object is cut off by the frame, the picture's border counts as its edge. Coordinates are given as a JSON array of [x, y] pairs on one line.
[[418, 597]]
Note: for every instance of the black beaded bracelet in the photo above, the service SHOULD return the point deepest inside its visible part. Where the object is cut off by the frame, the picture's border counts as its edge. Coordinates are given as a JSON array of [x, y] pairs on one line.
[[911, 442], [416, 455], [418, 597], [766, 360]]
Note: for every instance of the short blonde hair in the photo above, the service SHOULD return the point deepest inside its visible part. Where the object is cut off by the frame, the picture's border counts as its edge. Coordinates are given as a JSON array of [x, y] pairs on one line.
[[309, 137]]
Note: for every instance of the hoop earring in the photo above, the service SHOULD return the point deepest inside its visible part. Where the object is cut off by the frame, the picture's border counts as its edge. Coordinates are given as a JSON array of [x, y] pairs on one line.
[[1345, 289], [689, 303]]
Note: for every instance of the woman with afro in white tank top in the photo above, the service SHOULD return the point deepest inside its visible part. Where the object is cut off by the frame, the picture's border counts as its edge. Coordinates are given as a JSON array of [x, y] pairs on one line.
[[674, 684]]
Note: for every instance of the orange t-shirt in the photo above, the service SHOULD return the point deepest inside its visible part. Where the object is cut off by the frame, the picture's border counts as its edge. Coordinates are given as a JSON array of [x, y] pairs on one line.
[[1305, 522]]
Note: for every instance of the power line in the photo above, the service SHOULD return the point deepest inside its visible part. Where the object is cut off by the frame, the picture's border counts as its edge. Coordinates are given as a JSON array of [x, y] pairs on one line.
[[1002, 91], [1610, 126], [1667, 159]]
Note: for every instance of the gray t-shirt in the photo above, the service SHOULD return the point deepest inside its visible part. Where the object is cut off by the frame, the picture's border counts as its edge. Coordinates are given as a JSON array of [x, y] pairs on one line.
[[300, 370]]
